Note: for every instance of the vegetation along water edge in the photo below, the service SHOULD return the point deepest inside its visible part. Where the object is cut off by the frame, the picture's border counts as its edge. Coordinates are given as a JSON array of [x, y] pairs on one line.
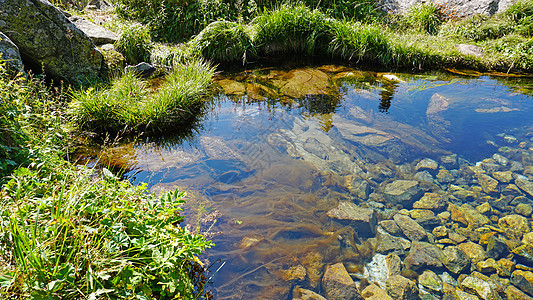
[[70, 232]]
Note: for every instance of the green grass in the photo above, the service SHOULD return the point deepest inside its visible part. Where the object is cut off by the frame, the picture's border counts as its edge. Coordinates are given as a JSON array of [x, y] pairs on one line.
[[292, 29], [224, 41], [68, 232], [425, 17], [128, 107], [134, 43]]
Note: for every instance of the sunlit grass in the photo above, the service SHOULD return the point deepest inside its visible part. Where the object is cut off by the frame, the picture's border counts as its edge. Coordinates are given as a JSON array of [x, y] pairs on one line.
[[128, 106]]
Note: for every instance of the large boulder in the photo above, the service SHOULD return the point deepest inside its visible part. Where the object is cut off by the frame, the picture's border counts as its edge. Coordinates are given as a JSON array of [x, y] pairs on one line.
[[460, 8], [98, 34], [45, 37], [9, 54]]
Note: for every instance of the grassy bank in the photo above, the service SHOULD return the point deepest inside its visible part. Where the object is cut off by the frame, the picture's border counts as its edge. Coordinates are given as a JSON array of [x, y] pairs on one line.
[[68, 232], [424, 37]]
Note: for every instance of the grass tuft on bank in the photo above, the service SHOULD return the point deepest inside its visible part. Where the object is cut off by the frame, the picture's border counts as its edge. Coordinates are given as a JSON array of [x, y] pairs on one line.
[[128, 106]]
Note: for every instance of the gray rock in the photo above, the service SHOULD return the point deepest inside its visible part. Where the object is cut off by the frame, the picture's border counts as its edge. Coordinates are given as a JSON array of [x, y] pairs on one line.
[[502, 160], [449, 161], [337, 283], [496, 248], [430, 280], [480, 287], [402, 191], [523, 280], [98, 34], [470, 50], [525, 185], [424, 176], [390, 227], [362, 219], [377, 270], [386, 243], [401, 288], [9, 54], [455, 260], [427, 164], [461, 8], [423, 256], [144, 70], [47, 38], [410, 228]]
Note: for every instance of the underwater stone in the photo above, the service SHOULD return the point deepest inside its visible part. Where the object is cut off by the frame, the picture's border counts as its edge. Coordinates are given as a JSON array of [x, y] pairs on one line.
[[523, 280], [488, 266], [467, 215], [431, 201], [502, 160], [496, 248], [302, 294], [504, 177], [440, 231], [474, 251], [424, 176], [525, 185], [402, 191], [410, 228], [524, 253], [484, 208], [445, 176], [514, 225], [512, 293], [506, 267], [430, 280], [480, 287], [455, 259], [427, 164], [391, 227], [386, 243], [377, 270], [374, 292], [338, 284], [449, 161], [362, 219], [489, 184], [523, 209], [423, 255], [401, 288]]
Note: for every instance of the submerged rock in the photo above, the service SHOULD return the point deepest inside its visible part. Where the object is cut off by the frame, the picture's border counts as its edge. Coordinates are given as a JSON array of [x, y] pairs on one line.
[[525, 185], [45, 37], [402, 191], [523, 280], [410, 228], [374, 292], [474, 251], [424, 255], [431, 201], [481, 288], [377, 270], [430, 280], [455, 259], [362, 219], [302, 294], [338, 284], [401, 288], [512, 293]]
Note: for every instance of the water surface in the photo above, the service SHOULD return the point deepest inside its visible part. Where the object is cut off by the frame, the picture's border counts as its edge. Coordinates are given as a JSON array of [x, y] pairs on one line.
[[279, 148]]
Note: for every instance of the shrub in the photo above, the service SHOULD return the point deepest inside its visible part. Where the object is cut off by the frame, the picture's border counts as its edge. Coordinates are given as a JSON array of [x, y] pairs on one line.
[[224, 41], [292, 29], [425, 17], [127, 106], [134, 43]]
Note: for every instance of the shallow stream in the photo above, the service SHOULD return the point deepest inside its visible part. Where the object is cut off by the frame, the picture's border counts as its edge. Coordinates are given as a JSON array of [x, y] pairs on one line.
[[279, 149]]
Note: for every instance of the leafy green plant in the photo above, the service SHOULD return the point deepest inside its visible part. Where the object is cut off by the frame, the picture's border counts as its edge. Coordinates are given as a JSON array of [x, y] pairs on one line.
[[520, 10], [87, 237], [224, 41], [425, 17], [134, 43], [128, 106]]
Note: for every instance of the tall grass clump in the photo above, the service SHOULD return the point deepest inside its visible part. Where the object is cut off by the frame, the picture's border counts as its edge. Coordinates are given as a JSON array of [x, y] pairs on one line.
[[66, 234], [425, 17], [127, 106], [356, 41], [224, 41], [477, 28], [292, 29], [520, 10], [177, 21], [134, 43]]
